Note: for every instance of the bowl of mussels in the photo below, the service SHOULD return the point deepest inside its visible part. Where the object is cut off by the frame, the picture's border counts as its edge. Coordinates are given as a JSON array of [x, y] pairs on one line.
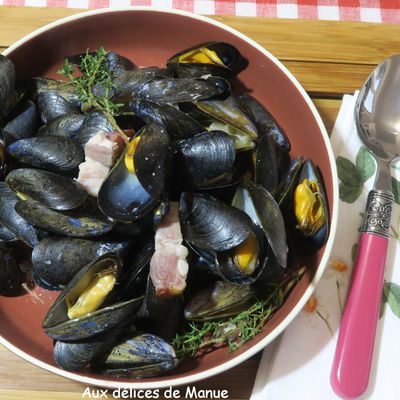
[[168, 198]]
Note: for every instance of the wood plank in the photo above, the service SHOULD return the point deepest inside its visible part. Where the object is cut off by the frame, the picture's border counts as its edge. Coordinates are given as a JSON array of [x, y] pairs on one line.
[[329, 79], [328, 110], [329, 41]]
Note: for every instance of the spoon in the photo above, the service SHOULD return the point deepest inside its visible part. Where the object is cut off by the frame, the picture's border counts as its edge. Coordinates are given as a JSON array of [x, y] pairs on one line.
[[377, 116]]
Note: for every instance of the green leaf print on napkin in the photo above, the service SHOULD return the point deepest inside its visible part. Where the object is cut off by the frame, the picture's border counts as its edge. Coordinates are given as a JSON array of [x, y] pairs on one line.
[[353, 176], [396, 190], [391, 295]]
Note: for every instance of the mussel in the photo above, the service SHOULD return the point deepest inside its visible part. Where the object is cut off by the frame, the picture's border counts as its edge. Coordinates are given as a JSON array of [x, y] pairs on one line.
[[143, 355], [53, 190], [215, 58], [67, 90], [178, 124], [67, 125], [10, 274], [229, 117], [56, 260], [8, 95], [52, 153], [10, 219], [206, 156], [220, 300], [22, 124], [310, 210], [61, 224], [180, 90], [87, 306], [6, 235], [52, 105], [95, 122], [138, 180]]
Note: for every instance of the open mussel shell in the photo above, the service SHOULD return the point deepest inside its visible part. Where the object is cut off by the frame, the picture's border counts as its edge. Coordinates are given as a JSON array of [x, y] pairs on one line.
[[67, 125], [229, 117], [284, 192], [140, 356], [180, 90], [76, 355], [22, 124], [52, 105], [138, 180], [95, 122], [310, 209], [264, 211], [57, 324], [10, 274], [210, 224], [52, 153], [215, 58], [61, 224], [53, 190], [178, 124], [206, 156], [264, 121], [55, 261], [222, 299], [10, 219]]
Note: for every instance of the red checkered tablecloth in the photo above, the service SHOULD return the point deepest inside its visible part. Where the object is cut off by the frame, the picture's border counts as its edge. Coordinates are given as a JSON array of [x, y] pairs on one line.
[[387, 11]]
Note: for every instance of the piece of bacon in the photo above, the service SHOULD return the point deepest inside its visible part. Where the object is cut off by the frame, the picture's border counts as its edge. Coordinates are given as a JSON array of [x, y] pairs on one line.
[[91, 175], [168, 266]]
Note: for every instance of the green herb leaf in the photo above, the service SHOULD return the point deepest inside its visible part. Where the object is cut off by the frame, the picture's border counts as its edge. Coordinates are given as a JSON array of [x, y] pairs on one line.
[[349, 193], [392, 291], [347, 172], [396, 190], [365, 164]]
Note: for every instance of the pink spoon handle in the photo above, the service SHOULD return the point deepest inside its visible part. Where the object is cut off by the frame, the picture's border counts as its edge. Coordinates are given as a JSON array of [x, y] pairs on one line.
[[354, 350]]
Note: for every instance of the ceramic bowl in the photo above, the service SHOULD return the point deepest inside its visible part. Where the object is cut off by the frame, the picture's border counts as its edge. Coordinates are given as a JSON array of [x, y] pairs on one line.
[[150, 37]]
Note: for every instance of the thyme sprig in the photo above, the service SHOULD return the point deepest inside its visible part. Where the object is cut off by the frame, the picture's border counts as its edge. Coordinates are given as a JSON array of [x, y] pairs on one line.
[[235, 331], [94, 74]]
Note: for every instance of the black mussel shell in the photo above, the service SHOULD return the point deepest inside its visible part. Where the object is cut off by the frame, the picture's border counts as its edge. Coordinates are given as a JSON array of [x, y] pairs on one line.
[[10, 219], [67, 125], [143, 355], [53, 190], [52, 105], [61, 224], [6, 235], [229, 117], [179, 90], [215, 58], [3, 166], [8, 95], [284, 192], [64, 89], [126, 85], [23, 124], [55, 261], [76, 355], [56, 323], [139, 179], [95, 122], [264, 121], [10, 274], [205, 157], [260, 205], [178, 124], [266, 167], [52, 153], [220, 300], [210, 224]]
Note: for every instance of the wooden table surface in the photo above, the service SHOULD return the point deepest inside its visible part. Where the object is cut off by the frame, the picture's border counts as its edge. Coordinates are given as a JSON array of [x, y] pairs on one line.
[[328, 58]]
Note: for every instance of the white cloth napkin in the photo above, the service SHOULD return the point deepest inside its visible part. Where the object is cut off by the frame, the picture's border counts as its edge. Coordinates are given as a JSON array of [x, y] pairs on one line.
[[298, 364]]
